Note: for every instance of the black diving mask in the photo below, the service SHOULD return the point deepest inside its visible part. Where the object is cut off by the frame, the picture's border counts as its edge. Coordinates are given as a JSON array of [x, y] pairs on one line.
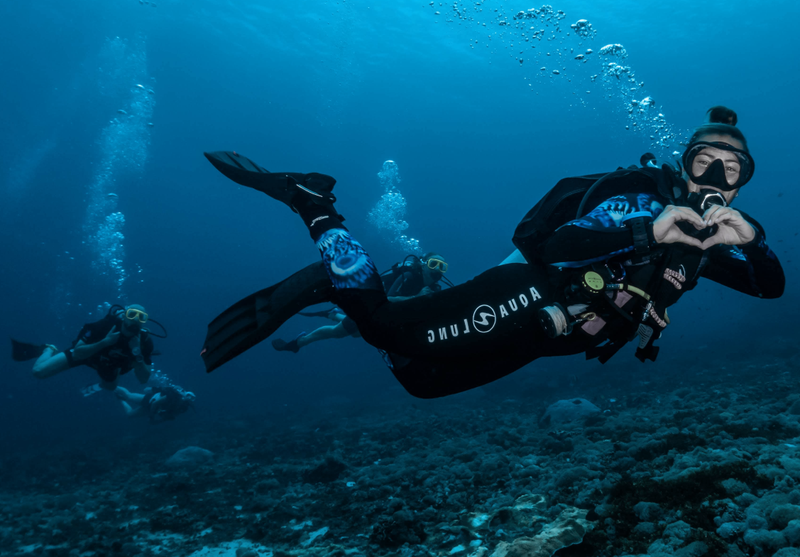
[[705, 169]]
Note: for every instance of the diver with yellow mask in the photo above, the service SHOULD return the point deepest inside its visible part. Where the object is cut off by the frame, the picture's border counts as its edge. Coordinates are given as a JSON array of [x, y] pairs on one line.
[[605, 256], [112, 346]]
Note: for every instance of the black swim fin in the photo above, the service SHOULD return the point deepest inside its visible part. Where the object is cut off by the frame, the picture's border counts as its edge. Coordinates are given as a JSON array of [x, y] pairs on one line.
[[324, 313], [282, 186], [256, 317], [282, 346], [23, 351]]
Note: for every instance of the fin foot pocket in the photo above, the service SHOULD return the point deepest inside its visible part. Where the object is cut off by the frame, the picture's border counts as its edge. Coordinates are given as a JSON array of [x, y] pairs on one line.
[[282, 186], [282, 346]]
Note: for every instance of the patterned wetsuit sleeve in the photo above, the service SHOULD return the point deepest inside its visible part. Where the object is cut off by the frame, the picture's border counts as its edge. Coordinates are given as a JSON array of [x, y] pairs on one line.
[[752, 269], [601, 234]]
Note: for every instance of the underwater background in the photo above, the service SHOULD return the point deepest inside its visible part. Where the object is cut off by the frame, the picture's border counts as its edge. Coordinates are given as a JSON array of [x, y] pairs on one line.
[[105, 197]]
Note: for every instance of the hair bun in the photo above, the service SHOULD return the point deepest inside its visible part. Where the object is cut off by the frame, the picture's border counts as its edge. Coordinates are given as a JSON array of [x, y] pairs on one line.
[[721, 115]]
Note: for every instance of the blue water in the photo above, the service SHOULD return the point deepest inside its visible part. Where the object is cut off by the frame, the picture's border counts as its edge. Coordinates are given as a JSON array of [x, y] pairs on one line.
[[339, 87]]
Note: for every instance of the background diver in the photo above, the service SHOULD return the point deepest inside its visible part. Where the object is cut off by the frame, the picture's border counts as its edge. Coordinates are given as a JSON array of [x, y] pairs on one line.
[[606, 255], [112, 346], [159, 403], [415, 276]]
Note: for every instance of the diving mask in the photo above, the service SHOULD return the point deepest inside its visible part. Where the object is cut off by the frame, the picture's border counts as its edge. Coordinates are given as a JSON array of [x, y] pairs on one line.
[[705, 168], [436, 265], [133, 314]]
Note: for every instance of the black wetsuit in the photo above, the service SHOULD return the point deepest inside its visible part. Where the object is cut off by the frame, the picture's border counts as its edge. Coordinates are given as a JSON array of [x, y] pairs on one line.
[[484, 329], [112, 361], [407, 283]]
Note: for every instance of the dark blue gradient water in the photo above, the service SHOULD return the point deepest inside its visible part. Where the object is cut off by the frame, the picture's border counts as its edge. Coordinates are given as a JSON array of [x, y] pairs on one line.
[[339, 87]]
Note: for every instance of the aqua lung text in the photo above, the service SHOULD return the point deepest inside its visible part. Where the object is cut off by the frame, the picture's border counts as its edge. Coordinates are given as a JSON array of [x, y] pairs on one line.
[[484, 317]]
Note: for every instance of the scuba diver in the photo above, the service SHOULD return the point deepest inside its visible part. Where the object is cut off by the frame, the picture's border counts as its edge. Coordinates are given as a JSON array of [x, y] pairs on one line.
[[112, 346], [413, 277], [159, 403], [606, 254]]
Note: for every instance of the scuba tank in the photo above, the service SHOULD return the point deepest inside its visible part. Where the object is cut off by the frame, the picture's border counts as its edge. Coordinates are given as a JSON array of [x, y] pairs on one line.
[[411, 266]]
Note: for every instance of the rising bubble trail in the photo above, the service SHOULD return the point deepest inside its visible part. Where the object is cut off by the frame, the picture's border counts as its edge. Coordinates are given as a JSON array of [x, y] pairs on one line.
[[389, 213], [548, 46], [123, 147]]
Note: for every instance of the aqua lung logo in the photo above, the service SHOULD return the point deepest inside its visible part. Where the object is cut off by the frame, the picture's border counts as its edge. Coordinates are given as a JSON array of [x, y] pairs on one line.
[[484, 317]]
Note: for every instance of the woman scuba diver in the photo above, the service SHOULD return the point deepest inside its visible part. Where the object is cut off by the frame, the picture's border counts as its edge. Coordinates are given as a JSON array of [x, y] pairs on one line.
[[595, 278]]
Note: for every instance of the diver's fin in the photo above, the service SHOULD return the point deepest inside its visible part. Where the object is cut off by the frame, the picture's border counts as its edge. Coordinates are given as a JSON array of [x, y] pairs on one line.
[[23, 351], [282, 346], [253, 319], [324, 313], [282, 186], [90, 390]]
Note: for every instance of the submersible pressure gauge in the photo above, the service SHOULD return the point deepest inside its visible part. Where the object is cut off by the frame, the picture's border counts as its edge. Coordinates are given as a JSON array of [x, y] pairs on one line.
[[592, 283]]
